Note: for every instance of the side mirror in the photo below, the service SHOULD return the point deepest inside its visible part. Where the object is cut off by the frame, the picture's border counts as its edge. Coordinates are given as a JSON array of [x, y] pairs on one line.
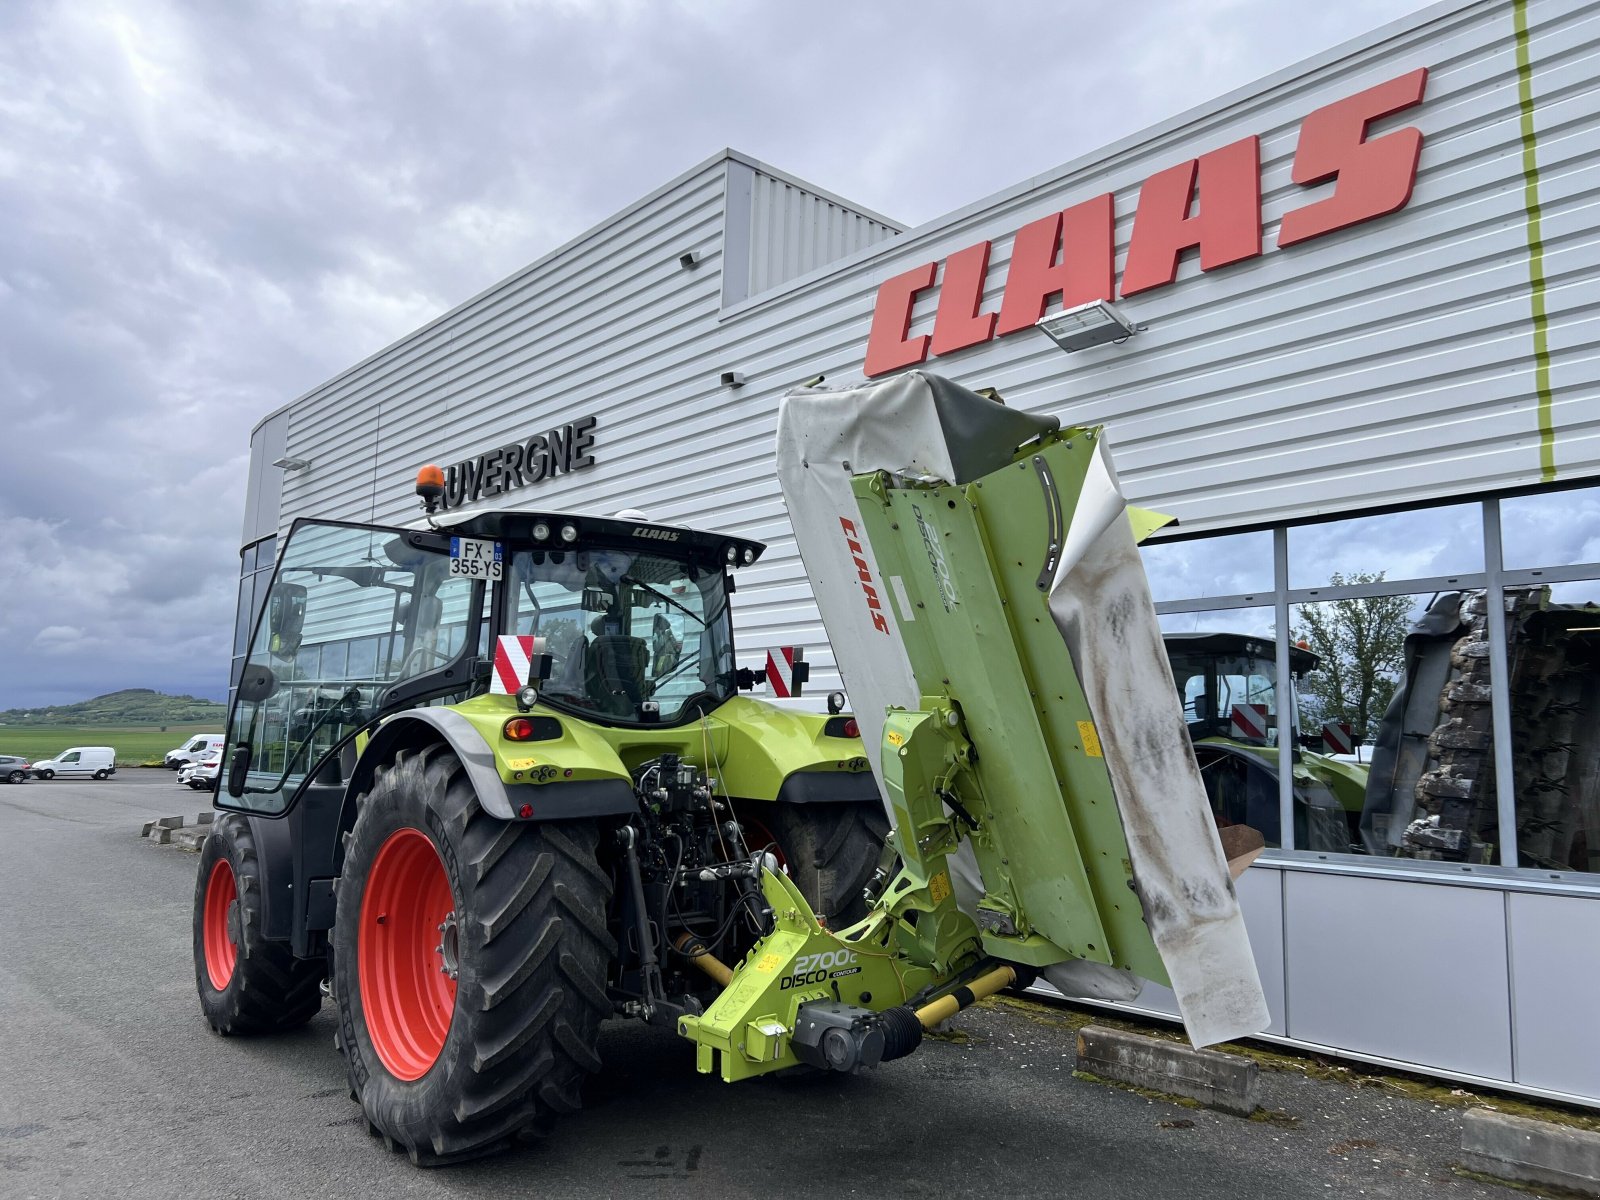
[[286, 618], [238, 768]]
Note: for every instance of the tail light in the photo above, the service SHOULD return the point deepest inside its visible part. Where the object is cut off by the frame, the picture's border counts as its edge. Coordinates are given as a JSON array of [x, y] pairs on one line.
[[842, 727], [532, 729]]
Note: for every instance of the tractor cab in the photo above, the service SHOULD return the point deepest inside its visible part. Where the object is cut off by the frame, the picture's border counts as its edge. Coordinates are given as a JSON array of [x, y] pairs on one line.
[[1229, 684], [630, 622]]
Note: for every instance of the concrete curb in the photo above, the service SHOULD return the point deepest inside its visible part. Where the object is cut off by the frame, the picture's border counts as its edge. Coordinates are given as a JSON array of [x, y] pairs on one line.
[[179, 831], [1526, 1151], [1225, 1082]]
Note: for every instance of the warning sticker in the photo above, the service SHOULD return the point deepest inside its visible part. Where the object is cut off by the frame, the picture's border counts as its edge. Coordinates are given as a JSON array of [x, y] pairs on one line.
[[1091, 739], [769, 962], [939, 887], [895, 738]]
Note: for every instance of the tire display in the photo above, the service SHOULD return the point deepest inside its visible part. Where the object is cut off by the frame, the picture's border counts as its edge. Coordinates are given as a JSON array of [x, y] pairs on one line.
[[470, 963], [246, 983]]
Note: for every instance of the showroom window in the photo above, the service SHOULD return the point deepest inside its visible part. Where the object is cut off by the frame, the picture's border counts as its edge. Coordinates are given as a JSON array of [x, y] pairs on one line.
[[1441, 666]]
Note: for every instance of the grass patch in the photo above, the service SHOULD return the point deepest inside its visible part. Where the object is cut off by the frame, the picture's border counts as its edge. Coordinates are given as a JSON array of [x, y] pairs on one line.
[[1516, 1185], [1351, 1074], [134, 744]]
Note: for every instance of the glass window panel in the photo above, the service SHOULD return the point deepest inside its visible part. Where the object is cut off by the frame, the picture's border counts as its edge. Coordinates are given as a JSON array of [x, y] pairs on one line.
[[247, 560], [1409, 675], [335, 655], [1232, 564], [363, 659], [1552, 529], [1257, 622], [1416, 544], [241, 616], [1554, 674]]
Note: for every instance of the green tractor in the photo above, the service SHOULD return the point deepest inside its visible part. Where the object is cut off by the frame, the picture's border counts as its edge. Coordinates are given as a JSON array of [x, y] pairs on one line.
[[1228, 683], [480, 875], [490, 781]]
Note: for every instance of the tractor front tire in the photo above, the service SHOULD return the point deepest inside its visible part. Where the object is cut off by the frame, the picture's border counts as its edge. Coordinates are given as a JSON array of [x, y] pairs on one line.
[[470, 963], [247, 984], [830, 852]]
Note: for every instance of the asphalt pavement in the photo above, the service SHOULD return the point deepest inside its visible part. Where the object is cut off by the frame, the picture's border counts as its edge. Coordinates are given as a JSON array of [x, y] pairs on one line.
[[111, 1085]]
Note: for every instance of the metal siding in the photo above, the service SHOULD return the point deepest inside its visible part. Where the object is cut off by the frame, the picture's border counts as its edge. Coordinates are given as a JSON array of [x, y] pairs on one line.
[[1411, 971], [1555, 989], [795, 231]]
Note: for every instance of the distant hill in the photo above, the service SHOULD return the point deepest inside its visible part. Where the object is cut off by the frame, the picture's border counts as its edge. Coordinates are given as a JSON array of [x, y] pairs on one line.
[[131, 706]]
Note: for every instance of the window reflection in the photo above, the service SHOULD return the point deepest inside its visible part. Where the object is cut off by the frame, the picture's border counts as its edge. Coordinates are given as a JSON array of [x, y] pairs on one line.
[[1554, 674], [1407, 676], [1551, 529], [1233, 564], [1416, 544]]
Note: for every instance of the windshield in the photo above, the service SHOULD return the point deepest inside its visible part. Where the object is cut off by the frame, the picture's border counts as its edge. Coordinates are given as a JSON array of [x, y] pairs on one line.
[[1228, 695], [625, 631]]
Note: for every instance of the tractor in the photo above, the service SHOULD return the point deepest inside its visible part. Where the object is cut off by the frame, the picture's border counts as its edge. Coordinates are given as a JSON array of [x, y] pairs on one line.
[[491, 780]]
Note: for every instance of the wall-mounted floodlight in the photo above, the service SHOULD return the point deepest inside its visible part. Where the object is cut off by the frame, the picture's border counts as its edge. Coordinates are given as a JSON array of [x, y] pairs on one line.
[[291, 464], [689, 258], [733, 379], [1091, 324]]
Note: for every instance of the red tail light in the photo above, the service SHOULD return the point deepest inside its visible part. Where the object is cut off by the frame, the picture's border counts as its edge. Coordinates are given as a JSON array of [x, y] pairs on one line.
[[842, 727]]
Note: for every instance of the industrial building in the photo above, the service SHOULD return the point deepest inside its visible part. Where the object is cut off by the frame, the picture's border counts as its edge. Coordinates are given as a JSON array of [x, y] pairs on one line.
[[1357, 362]]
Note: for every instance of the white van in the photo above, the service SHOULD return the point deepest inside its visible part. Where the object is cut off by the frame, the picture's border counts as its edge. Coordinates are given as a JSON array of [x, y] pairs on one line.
[[193, 749], [98, 761]]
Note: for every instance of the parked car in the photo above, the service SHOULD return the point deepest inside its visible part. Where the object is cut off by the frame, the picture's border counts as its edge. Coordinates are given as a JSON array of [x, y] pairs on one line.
[[203, 768], [13, 769], [97, 761], [193, 749]]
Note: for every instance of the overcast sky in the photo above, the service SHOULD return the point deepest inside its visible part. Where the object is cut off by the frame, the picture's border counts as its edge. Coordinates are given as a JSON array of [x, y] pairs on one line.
[[208, 208]]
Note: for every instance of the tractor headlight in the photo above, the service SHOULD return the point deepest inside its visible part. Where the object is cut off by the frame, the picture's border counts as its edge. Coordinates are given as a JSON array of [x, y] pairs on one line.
[[527, 697], [749, 556], [541, 531], [732, 553], [569, 533]]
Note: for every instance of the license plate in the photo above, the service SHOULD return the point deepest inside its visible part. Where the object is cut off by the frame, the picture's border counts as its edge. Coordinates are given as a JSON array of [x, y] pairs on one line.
[[475, 558]]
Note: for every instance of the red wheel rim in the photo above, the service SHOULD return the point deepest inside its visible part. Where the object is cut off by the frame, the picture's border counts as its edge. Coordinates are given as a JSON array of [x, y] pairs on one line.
[[406, 995], [222, 956], [757, 837]]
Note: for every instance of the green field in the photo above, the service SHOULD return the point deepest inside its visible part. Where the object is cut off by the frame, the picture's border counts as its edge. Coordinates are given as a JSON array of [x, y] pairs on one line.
[[134, 744]]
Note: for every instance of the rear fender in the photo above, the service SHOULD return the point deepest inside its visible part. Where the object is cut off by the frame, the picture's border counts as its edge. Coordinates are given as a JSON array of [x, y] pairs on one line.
[[419, 727]]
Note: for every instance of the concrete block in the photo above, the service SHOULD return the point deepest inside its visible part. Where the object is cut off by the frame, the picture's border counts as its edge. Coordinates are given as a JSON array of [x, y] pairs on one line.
[[144, 830], [206, 817], [169, 822], [191, 839], [161, 834], [1527, 1151], [1222, 1081]]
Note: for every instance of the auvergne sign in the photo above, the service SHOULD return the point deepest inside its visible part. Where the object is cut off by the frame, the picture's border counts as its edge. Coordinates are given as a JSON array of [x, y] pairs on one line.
[[568, 447]]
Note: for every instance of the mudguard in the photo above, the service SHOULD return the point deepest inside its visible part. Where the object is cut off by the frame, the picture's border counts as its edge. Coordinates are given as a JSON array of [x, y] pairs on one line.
[[557, 801]]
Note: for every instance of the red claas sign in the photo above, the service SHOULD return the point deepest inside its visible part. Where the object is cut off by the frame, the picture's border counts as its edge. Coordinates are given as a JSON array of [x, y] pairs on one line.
[[1069, 256]]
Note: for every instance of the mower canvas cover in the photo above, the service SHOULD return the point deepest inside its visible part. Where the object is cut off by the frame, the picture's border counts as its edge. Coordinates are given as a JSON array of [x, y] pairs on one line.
[[1053, 508]]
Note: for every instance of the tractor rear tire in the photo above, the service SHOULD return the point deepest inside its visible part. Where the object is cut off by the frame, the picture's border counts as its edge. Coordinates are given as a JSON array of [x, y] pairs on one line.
[[830, 851], [450, 1069], [247, 984]]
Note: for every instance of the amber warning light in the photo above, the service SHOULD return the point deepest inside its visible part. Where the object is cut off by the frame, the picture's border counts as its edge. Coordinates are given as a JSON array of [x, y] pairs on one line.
[[430, 486]]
